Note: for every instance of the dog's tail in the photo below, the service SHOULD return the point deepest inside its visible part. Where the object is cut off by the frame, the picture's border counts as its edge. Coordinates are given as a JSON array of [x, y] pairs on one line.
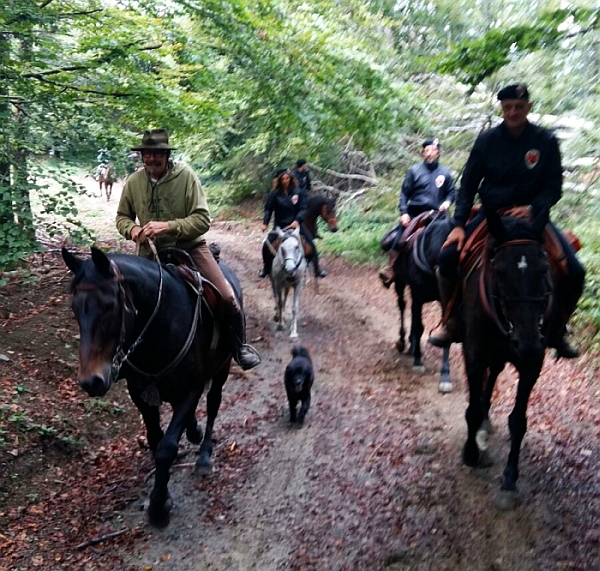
[[300, 351]]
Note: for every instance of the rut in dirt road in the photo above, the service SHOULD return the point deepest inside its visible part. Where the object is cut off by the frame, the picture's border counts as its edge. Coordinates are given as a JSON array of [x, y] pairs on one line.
[[374, 479]]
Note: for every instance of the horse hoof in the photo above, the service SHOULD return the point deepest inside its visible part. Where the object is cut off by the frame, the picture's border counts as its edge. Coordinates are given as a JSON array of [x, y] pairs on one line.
[[294, 337], [445, 387], [160, 517], [506, 500], [400, 346], [418, 368], [203, 466], [485, 460]]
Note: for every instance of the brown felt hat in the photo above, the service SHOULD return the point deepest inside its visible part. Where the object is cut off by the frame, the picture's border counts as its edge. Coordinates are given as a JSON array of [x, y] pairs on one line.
[[154, 139]]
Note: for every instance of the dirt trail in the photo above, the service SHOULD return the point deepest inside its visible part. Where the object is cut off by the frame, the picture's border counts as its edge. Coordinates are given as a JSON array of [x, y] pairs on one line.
[[374, 479]]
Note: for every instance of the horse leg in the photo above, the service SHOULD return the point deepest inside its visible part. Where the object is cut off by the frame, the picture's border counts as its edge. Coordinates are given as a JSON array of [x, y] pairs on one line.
[[416, 332], [295, 311], [213, 402], [400, 285], [150, 416], [193, 431], [108, 191], [473, 455], [445, 384], [160, 500], [279, 309], [517, 424], [486, 399]]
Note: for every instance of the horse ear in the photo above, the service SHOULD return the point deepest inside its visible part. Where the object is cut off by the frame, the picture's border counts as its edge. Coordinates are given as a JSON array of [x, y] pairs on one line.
[[101, 261], [495, 225], [540, 221], [73, 262]]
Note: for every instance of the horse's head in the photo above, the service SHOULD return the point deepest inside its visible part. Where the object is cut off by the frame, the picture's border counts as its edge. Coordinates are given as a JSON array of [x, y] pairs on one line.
[[291, 254], [98, 304], [519, 279], [328, 214]]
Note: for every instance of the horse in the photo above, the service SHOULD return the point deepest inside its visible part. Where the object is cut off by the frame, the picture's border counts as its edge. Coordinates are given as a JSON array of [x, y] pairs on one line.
[[106, 177], [415, 267], [319, 205], [507, 314], [141, 321], [288, 272]]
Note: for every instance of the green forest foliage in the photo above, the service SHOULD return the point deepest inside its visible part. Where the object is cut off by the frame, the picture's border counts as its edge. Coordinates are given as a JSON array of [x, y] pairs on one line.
[[247, 86]]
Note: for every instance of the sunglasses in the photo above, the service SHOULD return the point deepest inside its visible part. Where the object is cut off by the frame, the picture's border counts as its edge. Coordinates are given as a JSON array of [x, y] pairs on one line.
[[159, 153]]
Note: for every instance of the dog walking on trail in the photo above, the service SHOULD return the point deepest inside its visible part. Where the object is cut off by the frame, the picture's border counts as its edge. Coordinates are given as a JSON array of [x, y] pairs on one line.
[[299, 378]]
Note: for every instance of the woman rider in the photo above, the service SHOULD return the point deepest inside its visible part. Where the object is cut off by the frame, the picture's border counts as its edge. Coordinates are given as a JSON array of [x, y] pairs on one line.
[[288, 203]]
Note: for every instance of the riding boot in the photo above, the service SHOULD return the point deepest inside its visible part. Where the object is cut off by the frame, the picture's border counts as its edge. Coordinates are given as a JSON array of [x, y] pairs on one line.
[[568, 296], [267, 262], [386, 274], [447, 332], [319, 272], [245, 355]]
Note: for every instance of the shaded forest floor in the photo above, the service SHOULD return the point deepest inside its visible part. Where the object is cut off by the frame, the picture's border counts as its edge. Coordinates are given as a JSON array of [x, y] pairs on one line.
[[373, 481]]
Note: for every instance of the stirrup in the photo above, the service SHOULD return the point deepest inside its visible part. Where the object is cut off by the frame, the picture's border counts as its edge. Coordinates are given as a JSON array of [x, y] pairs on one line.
[[247, 357]]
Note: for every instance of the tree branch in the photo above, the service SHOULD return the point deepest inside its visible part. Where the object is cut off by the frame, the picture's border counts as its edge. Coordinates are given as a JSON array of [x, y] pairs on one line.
[[102, 538], [367, 179], [79, 89]]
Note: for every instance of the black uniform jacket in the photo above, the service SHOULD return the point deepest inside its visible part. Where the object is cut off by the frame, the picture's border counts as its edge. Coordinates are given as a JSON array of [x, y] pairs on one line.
[[285, 207], [426, 187], [511, 171]]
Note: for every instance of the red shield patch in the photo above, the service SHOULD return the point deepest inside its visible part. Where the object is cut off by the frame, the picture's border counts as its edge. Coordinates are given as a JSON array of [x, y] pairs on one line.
[[532, 158], [440, 180], [295, 199]]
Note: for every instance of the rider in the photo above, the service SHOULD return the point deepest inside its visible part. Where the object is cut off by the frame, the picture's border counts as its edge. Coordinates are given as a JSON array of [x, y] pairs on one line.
[[288, 203], [170, 205], [427, 186], [302, 174], [516, 165]]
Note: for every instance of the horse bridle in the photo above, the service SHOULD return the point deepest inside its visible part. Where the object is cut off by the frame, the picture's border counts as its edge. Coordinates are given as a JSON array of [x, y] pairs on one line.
[[121, 356], [500, 318], [300, 258]]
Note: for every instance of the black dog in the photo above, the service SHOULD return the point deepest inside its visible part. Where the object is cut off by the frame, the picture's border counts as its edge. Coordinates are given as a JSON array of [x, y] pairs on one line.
[[299, 377]]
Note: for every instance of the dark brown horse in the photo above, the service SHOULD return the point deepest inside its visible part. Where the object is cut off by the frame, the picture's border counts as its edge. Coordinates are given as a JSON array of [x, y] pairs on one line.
[[320, 206], [415, 267], [507, 314], [141, 321]]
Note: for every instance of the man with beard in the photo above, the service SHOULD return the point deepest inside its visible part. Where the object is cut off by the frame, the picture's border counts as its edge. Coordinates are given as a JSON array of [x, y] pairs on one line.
[[164, 202], [427, 186]]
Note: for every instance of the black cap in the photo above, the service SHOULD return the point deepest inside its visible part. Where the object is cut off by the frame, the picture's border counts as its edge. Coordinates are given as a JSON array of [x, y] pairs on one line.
[[428, 142], [279, 172], [300, 162], [515, 91]]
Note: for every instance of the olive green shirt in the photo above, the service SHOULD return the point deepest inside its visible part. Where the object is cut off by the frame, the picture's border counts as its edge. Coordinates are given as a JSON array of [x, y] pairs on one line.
[[177, 198]]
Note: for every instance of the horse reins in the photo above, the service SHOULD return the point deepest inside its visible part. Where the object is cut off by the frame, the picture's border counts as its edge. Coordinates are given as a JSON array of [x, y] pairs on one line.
[[121, 356], [485, 286]]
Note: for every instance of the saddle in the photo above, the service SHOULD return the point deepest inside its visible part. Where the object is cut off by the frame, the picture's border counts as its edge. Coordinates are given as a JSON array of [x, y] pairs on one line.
[[184, 267], [471, 253], [306, 247]]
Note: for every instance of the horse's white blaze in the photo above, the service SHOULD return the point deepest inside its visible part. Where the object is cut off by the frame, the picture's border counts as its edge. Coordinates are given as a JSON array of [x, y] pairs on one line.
[[522, 264]]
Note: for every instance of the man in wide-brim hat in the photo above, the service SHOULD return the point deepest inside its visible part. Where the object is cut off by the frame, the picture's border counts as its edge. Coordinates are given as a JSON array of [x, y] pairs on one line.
[[164, 202]]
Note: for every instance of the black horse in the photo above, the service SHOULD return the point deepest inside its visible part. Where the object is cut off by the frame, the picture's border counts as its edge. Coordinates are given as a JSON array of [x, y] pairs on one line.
[[507, 311], [319, 205], [415, 267], [141, 321]]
